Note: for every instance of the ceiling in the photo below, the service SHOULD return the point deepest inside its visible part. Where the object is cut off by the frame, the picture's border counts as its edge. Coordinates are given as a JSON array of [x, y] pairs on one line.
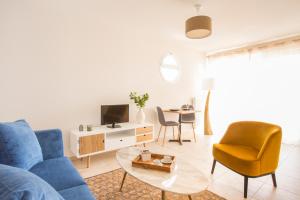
[[242, 22], [235, 22]]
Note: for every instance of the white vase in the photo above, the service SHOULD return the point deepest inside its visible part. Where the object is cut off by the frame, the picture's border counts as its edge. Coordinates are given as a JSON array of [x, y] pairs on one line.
[[140, 116]]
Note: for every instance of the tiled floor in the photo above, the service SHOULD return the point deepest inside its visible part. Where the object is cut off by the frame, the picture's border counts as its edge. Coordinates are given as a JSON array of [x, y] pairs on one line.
[[224, 182]]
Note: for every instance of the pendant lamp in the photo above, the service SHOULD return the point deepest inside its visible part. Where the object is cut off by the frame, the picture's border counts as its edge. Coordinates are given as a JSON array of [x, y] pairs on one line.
[[199, 26]]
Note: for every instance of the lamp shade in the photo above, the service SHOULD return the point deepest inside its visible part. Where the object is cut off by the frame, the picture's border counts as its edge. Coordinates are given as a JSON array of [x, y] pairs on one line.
[[198, 27], [208, 84]]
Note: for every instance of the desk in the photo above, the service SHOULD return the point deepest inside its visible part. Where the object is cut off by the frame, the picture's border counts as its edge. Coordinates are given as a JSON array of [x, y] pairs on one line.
[[180, 112]]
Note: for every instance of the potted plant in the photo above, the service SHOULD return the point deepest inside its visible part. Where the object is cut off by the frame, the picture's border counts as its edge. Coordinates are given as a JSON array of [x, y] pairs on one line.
[[140, 101]]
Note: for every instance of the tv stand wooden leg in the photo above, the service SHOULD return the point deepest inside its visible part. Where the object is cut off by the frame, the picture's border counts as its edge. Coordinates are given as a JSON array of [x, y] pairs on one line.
[[88, 162], [163, 195]]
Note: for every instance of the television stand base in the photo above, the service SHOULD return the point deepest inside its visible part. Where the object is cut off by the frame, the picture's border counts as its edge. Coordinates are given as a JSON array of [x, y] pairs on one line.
[[115, 126]]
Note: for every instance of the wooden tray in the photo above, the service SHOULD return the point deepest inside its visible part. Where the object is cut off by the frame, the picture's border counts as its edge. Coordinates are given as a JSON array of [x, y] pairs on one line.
[[137, 162]]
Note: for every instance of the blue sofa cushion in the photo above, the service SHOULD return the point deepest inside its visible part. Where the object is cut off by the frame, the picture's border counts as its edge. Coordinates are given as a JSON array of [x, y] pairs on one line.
[[19, 146], [58, 172], [51, 143], [16, 183], [77, 193]]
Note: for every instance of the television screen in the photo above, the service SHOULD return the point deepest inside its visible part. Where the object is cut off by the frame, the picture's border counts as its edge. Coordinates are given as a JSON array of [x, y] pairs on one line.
[[114, 114]]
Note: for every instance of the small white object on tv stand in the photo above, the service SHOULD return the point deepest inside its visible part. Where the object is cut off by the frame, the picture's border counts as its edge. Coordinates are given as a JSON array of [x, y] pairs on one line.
[[103, 139]]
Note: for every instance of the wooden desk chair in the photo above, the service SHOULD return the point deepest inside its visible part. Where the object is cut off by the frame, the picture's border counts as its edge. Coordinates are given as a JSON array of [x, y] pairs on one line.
[[188, 118], [164, 123]]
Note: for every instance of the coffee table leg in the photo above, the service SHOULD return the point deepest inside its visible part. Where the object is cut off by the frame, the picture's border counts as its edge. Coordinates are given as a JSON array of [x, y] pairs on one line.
[[163, 195], [124, 176], [190, 198]]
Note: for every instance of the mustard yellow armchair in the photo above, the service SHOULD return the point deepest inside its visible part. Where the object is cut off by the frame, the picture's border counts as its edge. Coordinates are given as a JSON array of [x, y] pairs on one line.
[[250, 149]]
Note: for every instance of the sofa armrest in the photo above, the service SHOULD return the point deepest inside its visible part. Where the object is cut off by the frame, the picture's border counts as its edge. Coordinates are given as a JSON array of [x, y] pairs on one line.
[[51, 143]]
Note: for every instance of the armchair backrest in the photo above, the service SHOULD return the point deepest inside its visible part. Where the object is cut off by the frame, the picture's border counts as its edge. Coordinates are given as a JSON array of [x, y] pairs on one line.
[[251, 133]]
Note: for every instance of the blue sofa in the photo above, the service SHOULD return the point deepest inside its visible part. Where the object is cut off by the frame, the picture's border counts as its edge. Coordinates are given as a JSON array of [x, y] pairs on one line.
[[58, 170], [55, 169]]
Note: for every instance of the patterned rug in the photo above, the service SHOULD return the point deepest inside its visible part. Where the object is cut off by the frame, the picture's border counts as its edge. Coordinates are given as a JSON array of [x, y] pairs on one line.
[[106, 187]]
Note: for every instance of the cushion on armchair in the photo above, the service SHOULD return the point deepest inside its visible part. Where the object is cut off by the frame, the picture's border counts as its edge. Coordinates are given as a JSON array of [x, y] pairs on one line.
[[19, 146], [242, 159], [16, 183]]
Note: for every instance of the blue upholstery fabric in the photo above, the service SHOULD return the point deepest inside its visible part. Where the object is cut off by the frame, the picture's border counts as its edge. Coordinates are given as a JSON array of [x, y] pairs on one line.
[[59, 173], [19, 146], [16, 183], [77, 193], [51, 143]]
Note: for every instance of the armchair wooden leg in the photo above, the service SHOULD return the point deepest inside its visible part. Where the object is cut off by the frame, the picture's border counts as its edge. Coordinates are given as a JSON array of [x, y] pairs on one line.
[[213, 167], [159, 133], [274, 180], [164, 136], [245, 186]]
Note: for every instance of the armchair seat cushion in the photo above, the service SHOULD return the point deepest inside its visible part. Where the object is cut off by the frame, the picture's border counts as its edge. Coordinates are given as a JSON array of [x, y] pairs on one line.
[[59, 173], [240, 158]]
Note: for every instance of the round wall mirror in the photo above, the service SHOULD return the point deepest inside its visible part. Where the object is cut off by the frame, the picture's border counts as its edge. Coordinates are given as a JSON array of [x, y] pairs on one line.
[[169, 68]]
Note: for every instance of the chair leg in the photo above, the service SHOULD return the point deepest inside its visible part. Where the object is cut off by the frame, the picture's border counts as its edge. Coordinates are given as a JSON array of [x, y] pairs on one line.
[[245, 186], [164, 136], [274, 180], [213, 167], [173, 133], [179, 134], [159, 133], [194, 132]]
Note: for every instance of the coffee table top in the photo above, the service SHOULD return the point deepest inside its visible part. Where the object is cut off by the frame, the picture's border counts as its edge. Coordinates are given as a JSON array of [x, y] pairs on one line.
[[184, 179]]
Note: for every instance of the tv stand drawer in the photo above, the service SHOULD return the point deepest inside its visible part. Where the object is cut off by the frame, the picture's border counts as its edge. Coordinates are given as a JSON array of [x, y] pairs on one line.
[[143, 130], [117, 143], [144, 137]]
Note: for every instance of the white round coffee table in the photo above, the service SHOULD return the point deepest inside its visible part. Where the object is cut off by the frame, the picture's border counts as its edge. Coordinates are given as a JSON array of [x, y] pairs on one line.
[[184, 179]]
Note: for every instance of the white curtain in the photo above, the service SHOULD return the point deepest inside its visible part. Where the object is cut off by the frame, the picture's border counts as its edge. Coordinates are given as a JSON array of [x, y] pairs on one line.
[[261, 84]]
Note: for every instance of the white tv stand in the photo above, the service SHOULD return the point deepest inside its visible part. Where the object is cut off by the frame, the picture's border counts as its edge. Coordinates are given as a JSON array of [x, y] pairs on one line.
[[102, 139]]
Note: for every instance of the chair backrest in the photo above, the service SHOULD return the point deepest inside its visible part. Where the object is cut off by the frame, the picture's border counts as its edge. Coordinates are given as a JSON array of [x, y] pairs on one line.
[[161, 117], [188, 117], [250, 133]]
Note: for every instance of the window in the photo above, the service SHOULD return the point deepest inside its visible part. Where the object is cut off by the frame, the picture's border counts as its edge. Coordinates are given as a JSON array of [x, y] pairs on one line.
[[261, 85]]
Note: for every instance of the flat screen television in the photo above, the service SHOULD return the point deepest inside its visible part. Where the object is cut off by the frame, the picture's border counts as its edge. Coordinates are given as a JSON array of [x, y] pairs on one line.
[[112, 114]]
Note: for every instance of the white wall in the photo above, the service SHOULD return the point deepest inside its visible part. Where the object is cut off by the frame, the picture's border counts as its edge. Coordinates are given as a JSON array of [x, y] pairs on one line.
[[60, 60]]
